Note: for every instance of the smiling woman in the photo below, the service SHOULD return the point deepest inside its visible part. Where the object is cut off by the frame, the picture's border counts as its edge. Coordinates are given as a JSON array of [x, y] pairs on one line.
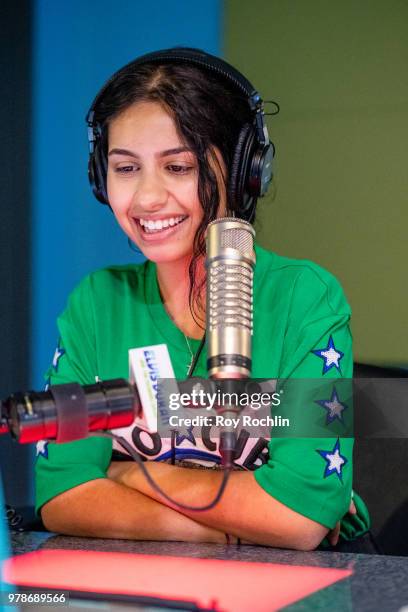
[[177, 140]]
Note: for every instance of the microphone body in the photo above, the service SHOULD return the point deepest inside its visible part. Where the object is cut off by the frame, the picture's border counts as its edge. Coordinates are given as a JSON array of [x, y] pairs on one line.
[[68, 412], [230, 266], [230, 263]]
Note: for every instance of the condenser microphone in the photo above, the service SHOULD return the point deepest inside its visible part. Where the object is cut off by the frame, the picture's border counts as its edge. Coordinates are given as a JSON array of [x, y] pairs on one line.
[[230, 266]]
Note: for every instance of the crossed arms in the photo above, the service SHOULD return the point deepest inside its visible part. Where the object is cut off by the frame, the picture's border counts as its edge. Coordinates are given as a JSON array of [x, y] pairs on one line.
[[124, 505]]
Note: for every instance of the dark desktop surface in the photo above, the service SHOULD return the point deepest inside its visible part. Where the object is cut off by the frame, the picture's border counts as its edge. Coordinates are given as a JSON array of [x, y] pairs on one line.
[[378, 582]]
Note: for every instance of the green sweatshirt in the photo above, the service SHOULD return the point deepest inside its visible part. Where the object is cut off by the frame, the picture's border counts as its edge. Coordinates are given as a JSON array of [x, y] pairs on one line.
[[301, 330]]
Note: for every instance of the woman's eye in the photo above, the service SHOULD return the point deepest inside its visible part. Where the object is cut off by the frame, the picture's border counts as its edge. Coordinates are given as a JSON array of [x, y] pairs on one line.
[[177, 169], [125, 169]]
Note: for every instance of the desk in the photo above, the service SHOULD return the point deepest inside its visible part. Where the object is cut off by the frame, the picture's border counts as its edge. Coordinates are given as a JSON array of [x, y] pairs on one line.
[[377, 583]]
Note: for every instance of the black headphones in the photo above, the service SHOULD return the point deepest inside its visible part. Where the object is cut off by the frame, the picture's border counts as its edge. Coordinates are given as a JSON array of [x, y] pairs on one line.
[[251, 169]]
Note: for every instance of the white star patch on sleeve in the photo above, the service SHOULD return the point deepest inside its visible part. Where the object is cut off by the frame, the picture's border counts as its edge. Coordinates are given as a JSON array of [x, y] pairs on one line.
[[42, 449], [330, 355], [334, 407], [59, 352], [335, 461]]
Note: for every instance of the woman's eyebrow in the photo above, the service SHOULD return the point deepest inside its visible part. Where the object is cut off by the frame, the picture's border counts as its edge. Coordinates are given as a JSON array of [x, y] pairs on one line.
[[174, 151]]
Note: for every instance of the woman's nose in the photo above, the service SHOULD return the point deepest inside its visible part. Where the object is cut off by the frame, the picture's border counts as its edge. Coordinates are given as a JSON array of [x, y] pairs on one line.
[[151, 193]]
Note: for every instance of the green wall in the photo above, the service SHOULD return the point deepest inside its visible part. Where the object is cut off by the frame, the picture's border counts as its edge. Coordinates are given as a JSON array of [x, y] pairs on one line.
[[339, 70]]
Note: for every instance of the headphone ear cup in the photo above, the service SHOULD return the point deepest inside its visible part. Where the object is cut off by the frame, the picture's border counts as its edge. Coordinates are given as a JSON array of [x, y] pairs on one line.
[[97, 174], [92, 174], [241, 199]]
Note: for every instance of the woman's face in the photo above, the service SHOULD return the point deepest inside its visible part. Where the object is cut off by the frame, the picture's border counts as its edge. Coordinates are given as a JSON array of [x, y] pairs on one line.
[[152, 183]]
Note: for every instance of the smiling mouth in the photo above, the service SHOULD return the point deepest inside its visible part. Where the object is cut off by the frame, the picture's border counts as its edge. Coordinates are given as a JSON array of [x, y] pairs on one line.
[[156, 227]]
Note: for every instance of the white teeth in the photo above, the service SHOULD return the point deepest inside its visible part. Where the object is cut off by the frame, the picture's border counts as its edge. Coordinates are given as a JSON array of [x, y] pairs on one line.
[[159, 224]]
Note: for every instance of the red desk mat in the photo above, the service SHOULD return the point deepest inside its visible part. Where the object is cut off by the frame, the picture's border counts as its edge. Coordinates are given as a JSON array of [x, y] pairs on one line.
[[230, 586]]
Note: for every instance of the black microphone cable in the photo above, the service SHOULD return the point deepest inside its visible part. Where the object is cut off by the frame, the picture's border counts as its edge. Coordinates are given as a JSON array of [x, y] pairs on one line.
[[13, 519], [135, 456]]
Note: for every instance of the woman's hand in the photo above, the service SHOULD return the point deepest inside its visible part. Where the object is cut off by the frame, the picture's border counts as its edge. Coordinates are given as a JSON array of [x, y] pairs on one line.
[[119, 470], [333, 535], [130, 474]]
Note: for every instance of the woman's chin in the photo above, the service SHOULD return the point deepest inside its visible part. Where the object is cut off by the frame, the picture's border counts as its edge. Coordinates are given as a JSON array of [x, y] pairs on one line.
[[165, 254]]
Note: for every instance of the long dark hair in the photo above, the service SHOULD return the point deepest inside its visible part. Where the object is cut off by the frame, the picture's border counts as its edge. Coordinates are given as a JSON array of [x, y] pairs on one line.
[[208, 114]]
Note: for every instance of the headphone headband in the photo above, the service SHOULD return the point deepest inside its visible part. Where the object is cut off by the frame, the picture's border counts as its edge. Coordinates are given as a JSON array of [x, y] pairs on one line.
[[197, 57]]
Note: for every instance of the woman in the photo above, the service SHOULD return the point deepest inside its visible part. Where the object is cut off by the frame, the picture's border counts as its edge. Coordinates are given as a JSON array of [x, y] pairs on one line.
[[173, 137]]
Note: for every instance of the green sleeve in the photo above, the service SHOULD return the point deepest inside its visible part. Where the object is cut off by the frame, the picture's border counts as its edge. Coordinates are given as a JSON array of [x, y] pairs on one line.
[[300, 471], [60, 467]]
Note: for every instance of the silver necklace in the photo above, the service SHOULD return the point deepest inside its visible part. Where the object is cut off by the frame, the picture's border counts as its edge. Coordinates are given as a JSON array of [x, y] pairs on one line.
[[190, 351]]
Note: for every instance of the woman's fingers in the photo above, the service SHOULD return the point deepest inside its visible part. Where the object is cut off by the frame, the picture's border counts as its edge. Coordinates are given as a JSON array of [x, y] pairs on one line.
[[334, 534], [117, 469]]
